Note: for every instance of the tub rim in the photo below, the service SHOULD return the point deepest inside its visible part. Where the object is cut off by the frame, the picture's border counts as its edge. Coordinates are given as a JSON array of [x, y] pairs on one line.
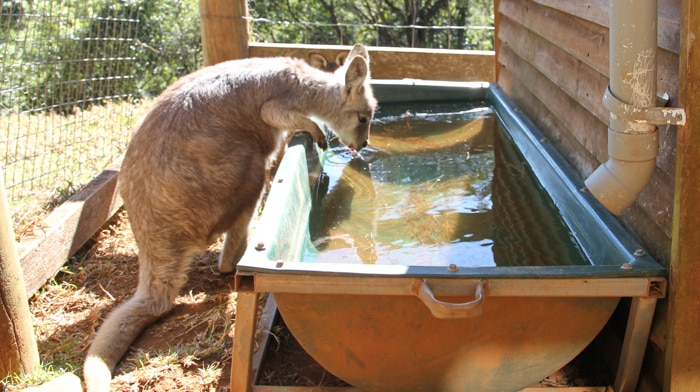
[[610, 249]]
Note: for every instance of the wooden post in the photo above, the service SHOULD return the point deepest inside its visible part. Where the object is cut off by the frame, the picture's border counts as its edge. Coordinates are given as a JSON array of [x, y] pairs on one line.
[[224, 30], [683, 345], [18, 349]]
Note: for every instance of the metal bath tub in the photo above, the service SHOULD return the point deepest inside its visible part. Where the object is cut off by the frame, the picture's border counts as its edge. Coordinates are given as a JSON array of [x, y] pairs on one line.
[[423, 328]]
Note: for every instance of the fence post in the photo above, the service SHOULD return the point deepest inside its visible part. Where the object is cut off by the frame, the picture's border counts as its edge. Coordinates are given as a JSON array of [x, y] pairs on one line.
[[18, 349], [224, 30]]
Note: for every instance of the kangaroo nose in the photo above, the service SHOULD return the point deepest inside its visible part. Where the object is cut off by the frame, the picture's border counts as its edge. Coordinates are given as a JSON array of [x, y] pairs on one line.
[[364, 144]]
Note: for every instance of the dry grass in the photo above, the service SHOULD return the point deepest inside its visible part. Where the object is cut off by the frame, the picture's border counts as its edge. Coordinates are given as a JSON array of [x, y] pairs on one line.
[[48, 156], [190, 349]]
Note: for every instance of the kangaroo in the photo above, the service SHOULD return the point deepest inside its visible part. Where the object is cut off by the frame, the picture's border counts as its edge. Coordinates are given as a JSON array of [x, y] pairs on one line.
[[196, 166], [318, 61]]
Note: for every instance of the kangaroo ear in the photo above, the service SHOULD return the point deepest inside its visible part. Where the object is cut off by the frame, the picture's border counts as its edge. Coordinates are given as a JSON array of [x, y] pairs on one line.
[[356, 73], [359, 50], [317, 60], [341, 58]]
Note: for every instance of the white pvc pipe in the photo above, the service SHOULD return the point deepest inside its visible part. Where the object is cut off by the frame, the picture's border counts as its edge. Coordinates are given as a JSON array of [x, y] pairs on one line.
[[632, 145]]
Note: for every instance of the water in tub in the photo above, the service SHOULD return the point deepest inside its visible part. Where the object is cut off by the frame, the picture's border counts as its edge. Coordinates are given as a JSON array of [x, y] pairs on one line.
[[438, 184]]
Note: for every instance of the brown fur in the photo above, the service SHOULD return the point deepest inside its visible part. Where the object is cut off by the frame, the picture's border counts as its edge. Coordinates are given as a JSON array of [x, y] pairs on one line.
[[196, 167]]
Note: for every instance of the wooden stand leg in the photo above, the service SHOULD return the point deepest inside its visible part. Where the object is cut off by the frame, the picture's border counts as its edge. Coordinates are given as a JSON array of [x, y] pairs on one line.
[[244, 342], [635, 343]]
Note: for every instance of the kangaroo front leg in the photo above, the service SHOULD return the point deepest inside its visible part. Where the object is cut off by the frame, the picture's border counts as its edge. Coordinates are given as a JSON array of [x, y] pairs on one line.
[[275, 114]]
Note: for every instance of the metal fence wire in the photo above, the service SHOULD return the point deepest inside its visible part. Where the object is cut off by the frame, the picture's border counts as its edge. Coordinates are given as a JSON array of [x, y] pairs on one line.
[[71, 71], [66, 73]]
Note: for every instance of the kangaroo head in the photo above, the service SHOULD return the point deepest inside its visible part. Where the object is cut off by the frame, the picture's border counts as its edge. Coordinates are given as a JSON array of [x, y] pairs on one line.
[[351, 122]]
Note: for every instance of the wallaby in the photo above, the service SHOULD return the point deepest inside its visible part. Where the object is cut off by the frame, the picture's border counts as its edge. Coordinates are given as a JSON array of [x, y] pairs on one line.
[[195, 169], [317, 60]]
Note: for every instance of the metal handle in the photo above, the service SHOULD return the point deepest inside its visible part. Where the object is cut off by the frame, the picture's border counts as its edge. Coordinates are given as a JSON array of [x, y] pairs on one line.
[[449, 310]]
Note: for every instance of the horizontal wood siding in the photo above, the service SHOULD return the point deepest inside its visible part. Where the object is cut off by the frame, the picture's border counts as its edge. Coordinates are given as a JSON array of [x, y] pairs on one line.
[[553, 60]]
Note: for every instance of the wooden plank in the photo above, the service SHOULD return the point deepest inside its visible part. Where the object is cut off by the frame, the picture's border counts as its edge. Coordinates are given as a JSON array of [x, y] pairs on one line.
[[588, 86], [262, 340], [274, 388], [242, 373], [683, 346], [569, 389], [400, 63], [575, 154], [657, 200], [582, 83], [281, 388], [584, 40], [580, 123], [596, 11], [511, 287], [70, 226], [635, 343]]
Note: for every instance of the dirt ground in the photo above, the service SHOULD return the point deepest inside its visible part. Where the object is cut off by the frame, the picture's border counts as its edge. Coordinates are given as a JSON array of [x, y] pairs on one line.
[[189, 349]]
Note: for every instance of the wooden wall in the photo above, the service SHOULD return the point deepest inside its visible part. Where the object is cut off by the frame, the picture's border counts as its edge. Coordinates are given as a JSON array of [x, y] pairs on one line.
[[553, 59]]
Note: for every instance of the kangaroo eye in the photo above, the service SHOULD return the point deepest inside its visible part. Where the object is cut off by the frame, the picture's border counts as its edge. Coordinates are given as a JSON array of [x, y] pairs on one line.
[[362, 119]]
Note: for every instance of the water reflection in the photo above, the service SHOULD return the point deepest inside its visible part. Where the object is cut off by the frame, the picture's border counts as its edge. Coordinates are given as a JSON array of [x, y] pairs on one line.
[[347, 218], [435, 190]]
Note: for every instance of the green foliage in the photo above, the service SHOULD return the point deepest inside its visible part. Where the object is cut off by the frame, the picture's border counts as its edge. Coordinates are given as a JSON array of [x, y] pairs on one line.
[[67, 54], [351, 21], [169, 43], [62, 55]]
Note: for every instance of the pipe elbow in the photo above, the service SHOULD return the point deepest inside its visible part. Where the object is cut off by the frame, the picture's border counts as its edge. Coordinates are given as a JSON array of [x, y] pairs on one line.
[[618, 182]]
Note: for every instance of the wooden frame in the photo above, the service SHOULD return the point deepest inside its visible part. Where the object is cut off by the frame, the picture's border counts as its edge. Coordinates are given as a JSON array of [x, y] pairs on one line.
[[246, 361]]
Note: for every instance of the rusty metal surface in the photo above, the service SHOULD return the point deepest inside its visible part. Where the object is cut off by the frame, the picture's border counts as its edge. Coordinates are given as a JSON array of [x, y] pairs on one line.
[[393, 343]]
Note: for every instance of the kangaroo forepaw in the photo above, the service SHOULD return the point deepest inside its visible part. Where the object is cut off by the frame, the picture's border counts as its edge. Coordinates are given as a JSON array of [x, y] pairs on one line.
[[322, 142]]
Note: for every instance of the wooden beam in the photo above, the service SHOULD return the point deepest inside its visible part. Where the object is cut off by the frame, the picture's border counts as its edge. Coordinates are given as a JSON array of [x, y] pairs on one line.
[[683, 346], [400, 63], [70, 226], [225, 30]]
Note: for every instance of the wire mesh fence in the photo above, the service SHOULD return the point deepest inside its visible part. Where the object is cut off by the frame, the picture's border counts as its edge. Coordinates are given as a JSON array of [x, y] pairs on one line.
[[436, 24], [73, 75], [67, 70]]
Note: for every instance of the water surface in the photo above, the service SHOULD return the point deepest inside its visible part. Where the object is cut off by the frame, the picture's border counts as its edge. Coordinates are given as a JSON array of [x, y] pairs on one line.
[[438, 184]]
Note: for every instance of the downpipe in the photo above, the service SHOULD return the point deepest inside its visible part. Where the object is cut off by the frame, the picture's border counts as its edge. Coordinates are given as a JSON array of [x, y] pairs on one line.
[[633, 136]]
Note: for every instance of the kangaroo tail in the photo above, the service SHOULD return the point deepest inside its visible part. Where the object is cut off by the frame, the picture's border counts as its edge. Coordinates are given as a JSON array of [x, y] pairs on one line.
[[115, 336]]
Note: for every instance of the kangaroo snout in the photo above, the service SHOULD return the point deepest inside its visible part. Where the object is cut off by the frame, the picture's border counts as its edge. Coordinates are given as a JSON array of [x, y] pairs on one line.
[[358, 147]]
